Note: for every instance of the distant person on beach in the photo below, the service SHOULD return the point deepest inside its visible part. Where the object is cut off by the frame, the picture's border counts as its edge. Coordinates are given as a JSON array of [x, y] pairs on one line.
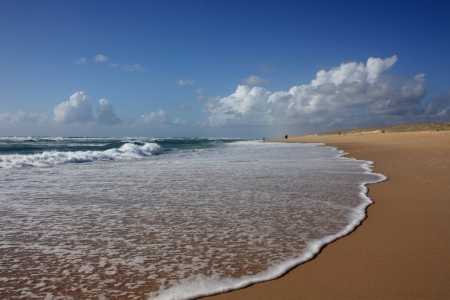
[[264, 139], [286, 136], [339, 133]]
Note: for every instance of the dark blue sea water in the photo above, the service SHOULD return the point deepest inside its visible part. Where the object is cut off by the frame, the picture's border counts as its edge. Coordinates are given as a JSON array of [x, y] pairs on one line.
[[47, 151]]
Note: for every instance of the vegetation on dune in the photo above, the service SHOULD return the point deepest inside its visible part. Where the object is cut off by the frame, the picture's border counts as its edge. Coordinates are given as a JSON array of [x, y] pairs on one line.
[[397, 128]]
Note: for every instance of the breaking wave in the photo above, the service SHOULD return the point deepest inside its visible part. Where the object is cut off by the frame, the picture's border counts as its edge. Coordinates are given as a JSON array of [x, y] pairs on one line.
[[49, 158]]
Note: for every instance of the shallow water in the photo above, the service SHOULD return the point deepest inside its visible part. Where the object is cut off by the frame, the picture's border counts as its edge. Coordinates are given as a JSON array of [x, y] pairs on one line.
[[176, 225]]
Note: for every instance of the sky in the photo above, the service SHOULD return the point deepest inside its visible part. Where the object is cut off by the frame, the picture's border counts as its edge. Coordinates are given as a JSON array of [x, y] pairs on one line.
[[243, 69]]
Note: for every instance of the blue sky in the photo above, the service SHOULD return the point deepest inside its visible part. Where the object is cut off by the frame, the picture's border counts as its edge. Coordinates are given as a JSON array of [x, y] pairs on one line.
[[220, 68]]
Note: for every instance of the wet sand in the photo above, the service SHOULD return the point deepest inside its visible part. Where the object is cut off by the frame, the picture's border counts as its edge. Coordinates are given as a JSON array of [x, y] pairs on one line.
[[402, 249]]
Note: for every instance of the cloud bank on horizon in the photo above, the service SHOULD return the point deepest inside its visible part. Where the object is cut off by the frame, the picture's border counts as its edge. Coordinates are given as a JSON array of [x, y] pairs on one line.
[[352, 90], [352, 93]]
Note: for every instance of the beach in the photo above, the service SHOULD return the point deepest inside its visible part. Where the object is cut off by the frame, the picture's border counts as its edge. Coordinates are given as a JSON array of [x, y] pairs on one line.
[[402, 249]]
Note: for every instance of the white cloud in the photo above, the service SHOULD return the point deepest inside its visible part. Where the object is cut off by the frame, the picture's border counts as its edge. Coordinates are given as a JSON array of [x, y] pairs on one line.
[[133, 68], [184, 106], [81, 61], [23, 117], [354, 72], [77, 109], [255, 81], [185, 82], [100, 58], [350, 88], [178, 121], [401, 97], [158, 118], [439, 106], [106, 114]]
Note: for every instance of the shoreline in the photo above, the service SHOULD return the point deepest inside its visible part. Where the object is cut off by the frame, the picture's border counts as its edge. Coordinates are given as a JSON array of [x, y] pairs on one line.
[[401, 249]]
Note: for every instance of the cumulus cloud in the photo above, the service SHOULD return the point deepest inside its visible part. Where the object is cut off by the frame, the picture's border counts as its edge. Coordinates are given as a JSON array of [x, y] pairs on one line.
[[158, 118], [400, 97], [100, 58], [255, 81], [77, 109], [354, 72], [81, 61], [181, 82], [354, 89], [133, 68], [439, 106], [23, 117], [106, 114]]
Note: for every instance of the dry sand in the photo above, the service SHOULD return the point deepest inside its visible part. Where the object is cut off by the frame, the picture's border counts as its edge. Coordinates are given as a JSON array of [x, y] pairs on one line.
[[402, 249]]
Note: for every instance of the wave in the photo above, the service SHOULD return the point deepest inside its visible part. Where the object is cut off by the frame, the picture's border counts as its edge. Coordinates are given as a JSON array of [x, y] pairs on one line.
[[49, 158]]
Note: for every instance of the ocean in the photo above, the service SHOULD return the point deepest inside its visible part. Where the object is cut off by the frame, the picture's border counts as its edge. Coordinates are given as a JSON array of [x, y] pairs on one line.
[[167, 218]]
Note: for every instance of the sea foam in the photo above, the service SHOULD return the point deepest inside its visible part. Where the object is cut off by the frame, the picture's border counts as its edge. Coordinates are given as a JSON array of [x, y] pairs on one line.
[[48, 158], [176, 227]]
